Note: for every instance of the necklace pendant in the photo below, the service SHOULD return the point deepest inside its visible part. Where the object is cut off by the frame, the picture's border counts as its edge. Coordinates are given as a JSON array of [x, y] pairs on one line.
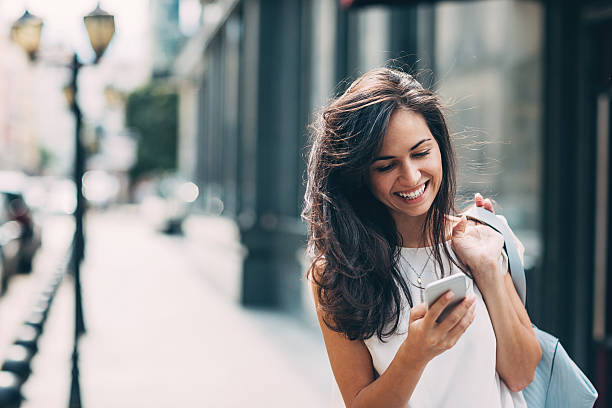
[[419, 280]]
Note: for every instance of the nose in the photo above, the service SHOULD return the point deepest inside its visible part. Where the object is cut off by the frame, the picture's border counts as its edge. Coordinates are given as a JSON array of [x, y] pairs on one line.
[[410, 174]]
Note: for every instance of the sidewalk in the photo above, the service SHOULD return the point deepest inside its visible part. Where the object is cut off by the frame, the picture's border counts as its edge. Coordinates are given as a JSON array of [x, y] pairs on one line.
[[25, 291], [161, 335]]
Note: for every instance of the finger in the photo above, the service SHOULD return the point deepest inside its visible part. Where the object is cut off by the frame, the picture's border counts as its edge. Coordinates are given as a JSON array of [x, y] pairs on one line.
[[478, 200], [438, 307], [488, 205], [459, 228], [463, 324], [418, 312], [458, 313]]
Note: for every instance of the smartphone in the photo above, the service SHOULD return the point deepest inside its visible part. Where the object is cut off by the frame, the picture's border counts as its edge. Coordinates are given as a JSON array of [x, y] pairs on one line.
[[456, 283]]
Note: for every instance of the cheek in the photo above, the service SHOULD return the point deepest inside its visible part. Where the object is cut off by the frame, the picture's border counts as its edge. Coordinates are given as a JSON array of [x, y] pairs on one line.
[[437, 168], [377, 185]]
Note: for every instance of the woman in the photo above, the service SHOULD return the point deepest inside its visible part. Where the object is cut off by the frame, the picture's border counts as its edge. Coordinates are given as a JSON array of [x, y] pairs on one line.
[[380, 205]]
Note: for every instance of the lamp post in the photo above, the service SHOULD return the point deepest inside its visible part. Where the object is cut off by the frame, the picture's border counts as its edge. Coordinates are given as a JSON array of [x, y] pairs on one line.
[[26, 32]]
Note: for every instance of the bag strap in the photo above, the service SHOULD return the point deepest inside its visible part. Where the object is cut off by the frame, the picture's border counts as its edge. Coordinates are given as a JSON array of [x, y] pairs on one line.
[[514, 261]]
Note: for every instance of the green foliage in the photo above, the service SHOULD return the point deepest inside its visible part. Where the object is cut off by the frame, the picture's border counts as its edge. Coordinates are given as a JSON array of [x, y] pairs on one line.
[[152, 112]]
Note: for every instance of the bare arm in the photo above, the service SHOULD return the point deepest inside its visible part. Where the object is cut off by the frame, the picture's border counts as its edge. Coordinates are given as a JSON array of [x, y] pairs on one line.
[[518, 350], [354, 372], [352, 364]]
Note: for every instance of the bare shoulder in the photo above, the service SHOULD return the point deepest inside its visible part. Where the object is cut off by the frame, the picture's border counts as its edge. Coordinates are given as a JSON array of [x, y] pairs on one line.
[[314, 275], [316, 268], [350, 360]]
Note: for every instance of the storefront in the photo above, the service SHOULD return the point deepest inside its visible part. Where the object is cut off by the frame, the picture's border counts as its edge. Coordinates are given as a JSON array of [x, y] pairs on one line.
[[528, 84]]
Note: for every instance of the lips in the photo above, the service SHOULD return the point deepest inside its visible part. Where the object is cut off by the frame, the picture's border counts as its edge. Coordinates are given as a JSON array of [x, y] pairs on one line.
[[414, 194]]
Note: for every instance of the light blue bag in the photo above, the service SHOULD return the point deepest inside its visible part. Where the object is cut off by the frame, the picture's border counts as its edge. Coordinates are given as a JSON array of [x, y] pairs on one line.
[[558, 382]]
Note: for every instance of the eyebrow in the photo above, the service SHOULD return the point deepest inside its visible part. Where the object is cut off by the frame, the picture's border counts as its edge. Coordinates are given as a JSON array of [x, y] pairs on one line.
[[393, 157]]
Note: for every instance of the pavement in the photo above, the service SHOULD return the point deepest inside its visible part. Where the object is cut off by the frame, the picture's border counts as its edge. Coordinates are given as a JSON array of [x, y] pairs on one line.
[[164, 328]]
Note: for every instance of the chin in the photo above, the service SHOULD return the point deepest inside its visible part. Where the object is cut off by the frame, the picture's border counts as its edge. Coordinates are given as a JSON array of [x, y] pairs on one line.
[[419, 211]]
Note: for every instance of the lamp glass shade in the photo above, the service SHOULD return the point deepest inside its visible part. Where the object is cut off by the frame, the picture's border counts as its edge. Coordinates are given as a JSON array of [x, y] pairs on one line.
[[100, 28], [26, 31]]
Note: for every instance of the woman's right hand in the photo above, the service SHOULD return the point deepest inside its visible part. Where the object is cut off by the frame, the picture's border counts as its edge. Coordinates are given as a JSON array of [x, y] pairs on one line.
[[426, 338]]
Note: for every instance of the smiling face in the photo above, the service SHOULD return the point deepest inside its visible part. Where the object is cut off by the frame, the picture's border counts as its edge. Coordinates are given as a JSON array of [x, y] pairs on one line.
[[407, 172]]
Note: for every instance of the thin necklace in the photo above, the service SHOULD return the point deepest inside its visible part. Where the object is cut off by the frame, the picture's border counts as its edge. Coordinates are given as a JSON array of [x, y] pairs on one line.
[[419, 276]]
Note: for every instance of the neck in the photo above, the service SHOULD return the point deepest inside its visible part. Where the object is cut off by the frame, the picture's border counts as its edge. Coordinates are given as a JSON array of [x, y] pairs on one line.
[[411, 230]]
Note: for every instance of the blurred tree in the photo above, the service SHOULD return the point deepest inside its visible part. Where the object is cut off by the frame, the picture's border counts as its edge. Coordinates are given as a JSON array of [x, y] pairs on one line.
[[152, 112]]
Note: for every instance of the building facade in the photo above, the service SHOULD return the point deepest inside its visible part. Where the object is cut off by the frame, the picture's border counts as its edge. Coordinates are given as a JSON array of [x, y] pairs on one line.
[[166, 35], [528, 84], [19, 133]]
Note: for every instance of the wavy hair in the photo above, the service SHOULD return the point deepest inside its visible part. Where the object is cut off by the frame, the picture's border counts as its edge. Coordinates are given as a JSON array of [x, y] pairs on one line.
[[351, 235]]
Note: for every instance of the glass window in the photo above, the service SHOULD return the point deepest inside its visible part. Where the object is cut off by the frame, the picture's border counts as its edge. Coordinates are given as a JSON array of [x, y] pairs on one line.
[[373, 37], [488, 66]]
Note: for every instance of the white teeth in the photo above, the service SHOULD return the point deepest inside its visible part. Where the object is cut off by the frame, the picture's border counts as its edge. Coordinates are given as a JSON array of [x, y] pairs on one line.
[[414, 194]]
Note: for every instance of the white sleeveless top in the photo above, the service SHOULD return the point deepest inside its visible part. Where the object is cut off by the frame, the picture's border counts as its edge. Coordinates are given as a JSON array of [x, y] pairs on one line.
[[463, 376]]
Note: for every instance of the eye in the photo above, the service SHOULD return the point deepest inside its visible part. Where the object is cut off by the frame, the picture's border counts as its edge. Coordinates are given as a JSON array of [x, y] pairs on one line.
[[422, 154], [385, 168]]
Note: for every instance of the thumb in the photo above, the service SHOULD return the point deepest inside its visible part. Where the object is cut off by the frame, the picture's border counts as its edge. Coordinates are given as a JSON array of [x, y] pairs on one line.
[[459, 228]]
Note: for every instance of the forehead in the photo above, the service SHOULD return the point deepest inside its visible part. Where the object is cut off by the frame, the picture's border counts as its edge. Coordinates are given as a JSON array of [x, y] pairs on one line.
[[405, 129]]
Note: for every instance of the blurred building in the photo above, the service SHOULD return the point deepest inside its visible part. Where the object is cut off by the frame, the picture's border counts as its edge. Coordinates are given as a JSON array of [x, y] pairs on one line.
[[36, 125], [528, 82], [18, 113], [166, 34]]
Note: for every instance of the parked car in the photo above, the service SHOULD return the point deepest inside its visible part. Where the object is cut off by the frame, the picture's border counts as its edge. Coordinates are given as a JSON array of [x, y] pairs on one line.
[[10, 232], [30, 234], [167, 201], [20, 236]]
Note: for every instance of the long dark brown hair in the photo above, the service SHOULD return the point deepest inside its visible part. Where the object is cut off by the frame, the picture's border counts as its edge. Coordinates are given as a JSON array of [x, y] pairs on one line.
[[351, 235]]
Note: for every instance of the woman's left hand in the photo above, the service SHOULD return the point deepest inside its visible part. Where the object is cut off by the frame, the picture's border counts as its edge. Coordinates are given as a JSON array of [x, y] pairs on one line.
[[486, 203], [479, 247]]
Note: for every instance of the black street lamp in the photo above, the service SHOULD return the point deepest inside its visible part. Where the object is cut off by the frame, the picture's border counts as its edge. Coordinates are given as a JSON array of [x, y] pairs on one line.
[[101, 29], [26, 32]]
